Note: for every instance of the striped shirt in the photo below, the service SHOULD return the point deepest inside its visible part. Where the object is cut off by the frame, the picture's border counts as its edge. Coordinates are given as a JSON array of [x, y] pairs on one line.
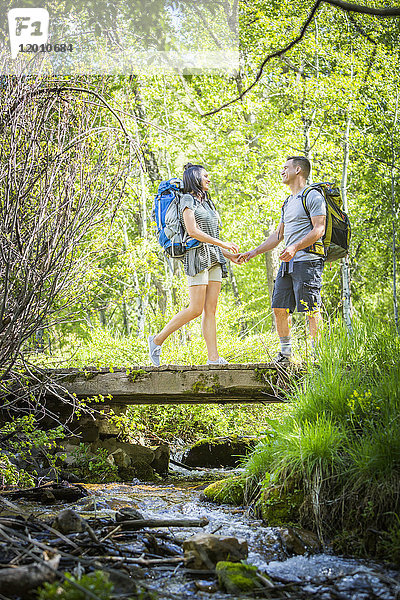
[[205, 255]]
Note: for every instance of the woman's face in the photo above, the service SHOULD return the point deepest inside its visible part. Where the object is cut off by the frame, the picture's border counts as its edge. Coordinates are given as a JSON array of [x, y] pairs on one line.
[[204, 181]]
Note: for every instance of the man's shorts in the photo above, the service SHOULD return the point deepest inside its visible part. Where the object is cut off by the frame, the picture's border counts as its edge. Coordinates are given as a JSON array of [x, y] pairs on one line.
[[214, 273], [300, 289]]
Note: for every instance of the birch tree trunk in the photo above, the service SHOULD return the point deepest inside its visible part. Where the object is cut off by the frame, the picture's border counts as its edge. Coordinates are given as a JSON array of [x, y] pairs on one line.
[[347, 309], [152, 169], [142, 306], [125, 313], [269, 264], [393, 198]]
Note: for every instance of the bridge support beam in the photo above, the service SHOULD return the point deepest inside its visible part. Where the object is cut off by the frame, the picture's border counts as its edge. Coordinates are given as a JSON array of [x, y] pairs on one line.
[[172, 384]]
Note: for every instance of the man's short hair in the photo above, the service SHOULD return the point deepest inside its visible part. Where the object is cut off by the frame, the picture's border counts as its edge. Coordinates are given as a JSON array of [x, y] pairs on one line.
[[303, 163]]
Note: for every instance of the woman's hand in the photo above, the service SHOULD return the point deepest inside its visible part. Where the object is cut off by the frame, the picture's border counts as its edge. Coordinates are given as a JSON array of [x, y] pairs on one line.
[[230, 246], [234, 257]]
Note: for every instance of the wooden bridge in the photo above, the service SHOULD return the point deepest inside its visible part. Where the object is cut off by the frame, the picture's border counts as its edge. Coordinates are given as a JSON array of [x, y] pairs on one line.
[[172, 384]]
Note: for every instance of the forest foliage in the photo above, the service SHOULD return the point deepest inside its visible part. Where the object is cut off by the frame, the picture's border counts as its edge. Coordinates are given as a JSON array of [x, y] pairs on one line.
[[84, 280], [338, 88], [95, 149]]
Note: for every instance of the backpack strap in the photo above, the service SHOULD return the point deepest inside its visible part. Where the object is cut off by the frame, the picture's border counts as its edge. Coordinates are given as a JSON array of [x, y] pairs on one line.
[[283, 207], [318, 247]]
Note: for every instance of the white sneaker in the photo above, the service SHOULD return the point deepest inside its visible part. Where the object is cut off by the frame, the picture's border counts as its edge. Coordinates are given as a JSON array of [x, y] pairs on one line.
[[221, 361], [154, 351]]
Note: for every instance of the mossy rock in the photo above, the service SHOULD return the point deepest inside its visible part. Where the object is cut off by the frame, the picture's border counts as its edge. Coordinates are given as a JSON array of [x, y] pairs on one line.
[[219, 452], [280, 504], [226, 491], [237, 577]]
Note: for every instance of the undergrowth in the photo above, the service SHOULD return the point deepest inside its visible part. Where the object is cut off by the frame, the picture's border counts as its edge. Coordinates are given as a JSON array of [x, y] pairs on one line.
[[23, 447], [341, 439]]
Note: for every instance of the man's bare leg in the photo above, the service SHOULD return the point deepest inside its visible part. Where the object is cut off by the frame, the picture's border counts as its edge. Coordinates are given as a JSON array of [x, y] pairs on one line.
[[315, 321], [283, 326], [283, 321]]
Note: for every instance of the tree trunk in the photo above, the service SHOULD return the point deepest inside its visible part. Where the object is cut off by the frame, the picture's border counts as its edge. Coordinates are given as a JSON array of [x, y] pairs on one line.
[[102, 316], [347, 309], [307, 124], [140, 112], [393, 197], [269, 261], [125, 313]]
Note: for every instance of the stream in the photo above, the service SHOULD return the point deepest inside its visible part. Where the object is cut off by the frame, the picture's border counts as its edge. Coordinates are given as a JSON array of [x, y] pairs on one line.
[[321, 576]]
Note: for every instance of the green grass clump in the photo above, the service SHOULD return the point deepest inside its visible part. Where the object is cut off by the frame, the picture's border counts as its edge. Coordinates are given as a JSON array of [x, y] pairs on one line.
[[341, 438]]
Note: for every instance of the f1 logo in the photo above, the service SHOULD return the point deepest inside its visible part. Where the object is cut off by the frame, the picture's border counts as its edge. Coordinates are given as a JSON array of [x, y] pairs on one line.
[[27, 26]]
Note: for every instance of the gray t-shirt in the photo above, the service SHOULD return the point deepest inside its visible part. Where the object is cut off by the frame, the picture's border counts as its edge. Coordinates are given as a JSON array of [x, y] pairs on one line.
[[296, 222], [206, 255]]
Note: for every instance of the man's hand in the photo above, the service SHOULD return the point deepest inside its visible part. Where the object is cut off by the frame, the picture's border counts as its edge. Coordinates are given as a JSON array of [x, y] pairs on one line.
[[246, 256], [288, 253]]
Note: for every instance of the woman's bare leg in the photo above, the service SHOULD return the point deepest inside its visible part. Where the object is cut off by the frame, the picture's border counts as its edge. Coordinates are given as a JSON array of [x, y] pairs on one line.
[[197, 296], [208, 325]]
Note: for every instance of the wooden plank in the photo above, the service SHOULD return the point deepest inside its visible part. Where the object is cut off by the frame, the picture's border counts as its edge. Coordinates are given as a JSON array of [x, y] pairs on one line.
[[175, 384]]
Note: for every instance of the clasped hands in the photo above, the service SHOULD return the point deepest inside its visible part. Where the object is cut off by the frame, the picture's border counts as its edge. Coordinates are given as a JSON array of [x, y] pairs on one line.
[[241, 257]]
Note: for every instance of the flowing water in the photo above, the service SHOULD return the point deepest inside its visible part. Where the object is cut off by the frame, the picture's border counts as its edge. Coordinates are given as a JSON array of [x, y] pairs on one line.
[[320, 576]]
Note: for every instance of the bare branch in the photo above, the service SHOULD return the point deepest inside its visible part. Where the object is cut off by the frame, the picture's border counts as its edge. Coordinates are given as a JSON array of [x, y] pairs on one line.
[[62, 171], [345, 6]]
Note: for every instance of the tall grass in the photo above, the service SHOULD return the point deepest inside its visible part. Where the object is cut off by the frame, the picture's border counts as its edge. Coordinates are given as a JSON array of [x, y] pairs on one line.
[[341, 438]]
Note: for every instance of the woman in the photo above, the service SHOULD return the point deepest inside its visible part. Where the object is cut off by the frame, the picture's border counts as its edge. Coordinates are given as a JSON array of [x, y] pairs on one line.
[[204, 266]]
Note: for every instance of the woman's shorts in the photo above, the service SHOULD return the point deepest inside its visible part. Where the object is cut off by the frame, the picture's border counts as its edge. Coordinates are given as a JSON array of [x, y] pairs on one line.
[[214, 273]]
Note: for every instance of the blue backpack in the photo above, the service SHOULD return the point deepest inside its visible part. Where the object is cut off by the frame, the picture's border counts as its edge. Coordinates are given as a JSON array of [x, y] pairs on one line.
[[172, 236]]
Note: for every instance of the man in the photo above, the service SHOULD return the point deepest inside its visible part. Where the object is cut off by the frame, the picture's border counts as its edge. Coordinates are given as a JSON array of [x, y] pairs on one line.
[[298, 282]]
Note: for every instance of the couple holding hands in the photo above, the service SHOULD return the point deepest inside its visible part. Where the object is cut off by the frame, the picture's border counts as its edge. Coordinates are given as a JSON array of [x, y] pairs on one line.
[[298, 282]]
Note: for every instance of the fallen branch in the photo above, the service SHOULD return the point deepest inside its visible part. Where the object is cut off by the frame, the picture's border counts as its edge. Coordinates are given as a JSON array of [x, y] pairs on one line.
[[70, 493], [180, 464], [140, 523], [173, 560]]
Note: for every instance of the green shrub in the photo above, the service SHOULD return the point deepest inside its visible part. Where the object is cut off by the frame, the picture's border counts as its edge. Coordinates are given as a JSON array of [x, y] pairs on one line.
[[97, 582], [22, 436], [190, 423], [11, 475], [94, 467]]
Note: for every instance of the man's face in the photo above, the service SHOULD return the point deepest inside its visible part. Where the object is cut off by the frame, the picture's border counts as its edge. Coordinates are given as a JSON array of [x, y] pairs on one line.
[[289, 172]]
